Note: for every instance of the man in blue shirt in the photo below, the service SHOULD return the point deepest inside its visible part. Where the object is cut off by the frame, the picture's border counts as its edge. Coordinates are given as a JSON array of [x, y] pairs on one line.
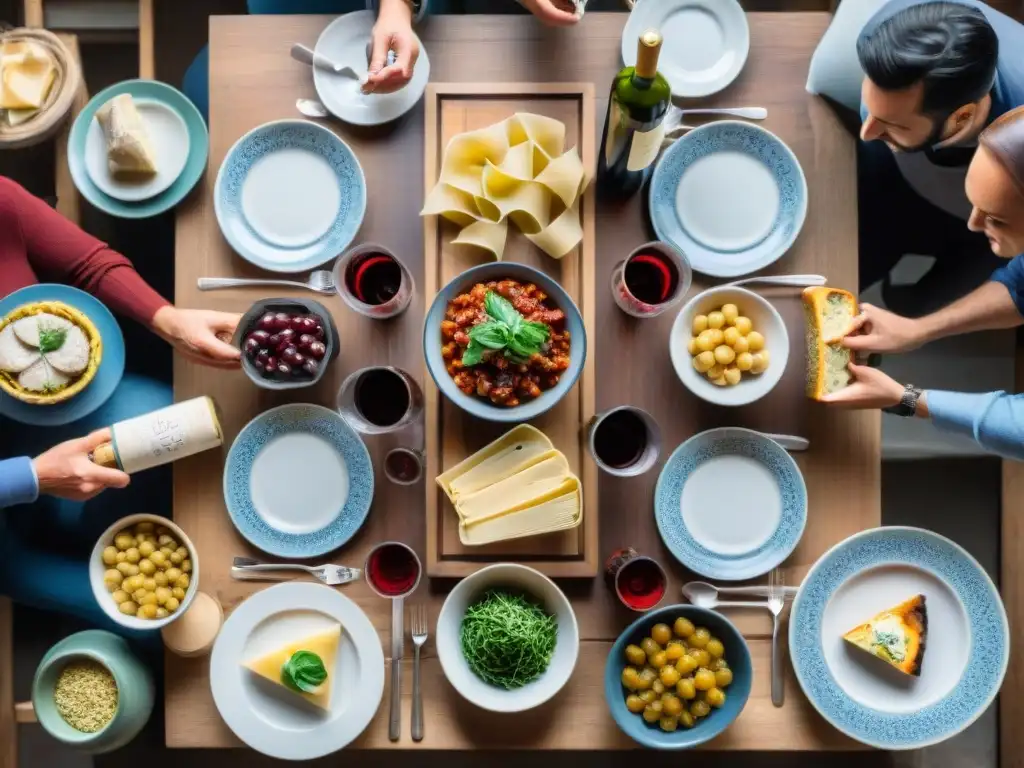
[[936, 74]]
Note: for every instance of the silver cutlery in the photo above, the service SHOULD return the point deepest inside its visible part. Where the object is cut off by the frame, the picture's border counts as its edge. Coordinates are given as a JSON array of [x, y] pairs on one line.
[[750, 113], [418, 618], [397, 646], [247, 569], [311, 108], [776, 604], [308, 56], [319, 280], [799, 280], [705, 595], [790, 442]]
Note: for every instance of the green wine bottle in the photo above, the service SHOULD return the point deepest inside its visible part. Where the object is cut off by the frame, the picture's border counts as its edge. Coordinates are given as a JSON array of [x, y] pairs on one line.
[[635, 125]]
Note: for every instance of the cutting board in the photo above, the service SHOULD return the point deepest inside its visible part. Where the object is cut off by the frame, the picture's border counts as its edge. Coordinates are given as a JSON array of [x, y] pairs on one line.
[[452, 434]]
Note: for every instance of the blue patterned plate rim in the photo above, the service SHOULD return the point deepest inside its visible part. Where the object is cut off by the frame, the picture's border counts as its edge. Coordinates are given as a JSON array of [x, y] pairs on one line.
[[228, 188], [757, 142], [668, 498], [195, 166], [237, 467], [947, 561], [111, 369]]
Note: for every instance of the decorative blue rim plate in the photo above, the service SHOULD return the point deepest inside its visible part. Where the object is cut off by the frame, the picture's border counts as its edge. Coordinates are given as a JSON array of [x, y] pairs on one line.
[[254, 437], [199, 148], [256, 145], [111, 369], [986, 619], [715, 443], [750, 140]]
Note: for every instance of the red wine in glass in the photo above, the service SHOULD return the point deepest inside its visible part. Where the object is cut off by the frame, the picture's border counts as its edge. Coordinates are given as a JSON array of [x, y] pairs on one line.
[[393, 569], [620, 439], [382, 397], [651, 277], [374, 278], [639, 582]]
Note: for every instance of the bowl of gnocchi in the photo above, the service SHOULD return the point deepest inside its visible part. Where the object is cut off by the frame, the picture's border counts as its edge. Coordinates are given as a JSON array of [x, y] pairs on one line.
[[729, 346], [144, 572]]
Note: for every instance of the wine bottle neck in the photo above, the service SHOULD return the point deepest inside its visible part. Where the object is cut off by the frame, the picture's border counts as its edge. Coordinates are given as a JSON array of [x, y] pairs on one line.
[[648, 52]]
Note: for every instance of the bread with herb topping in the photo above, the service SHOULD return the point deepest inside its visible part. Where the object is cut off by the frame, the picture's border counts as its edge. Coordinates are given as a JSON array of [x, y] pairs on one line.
[[828, 313]]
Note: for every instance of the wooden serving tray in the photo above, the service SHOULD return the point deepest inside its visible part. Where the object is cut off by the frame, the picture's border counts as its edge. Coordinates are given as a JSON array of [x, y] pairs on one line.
[[451, 433]]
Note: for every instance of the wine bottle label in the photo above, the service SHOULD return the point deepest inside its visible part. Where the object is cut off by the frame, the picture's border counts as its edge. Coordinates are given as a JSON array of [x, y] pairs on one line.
[[646, 145], [165, 435]]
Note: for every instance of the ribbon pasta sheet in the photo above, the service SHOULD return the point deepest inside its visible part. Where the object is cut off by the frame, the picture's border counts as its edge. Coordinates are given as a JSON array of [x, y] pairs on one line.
[[517, 170]]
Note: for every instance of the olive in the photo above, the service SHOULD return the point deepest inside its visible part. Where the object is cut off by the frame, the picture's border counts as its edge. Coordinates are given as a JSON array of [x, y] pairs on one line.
[[317, 350], [635, 655], [281, 321], [273, 341], [251, 347], [292, 356], [312, 367], [260, 336], [283, 369], [271, 365], [262, 358], [305, 340], [318, 332], [268, 322]]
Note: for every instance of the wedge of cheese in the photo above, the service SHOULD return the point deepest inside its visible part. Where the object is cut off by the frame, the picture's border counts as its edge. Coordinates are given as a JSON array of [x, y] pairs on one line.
[[559, 513], [129, 150], [27, 72], [511, 453], [828, 313], [324, 644], [517, 491]]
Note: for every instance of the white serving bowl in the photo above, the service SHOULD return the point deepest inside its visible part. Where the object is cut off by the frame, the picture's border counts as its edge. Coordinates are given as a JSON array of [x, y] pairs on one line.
[[449, 647], [766, 320], [97, 568]]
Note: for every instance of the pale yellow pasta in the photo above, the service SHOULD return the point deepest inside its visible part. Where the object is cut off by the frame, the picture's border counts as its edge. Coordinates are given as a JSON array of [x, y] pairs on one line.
[[756, 341], [692, 347], [725, 345], [548, 133], [488, 235], [744, 361], [706, 341], [700, 324], [733, 375], [743, 325], [565, 177], [730, 312], [563, 234], [724, 354], [703, 361], [716, 320], [451, 203]]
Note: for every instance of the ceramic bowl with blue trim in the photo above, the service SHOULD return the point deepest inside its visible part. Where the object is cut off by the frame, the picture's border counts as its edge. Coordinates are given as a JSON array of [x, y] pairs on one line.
[[298, 481], [290, 196], [737, 654], [966, 645], [731, 196], [480, 407], [730, 504]]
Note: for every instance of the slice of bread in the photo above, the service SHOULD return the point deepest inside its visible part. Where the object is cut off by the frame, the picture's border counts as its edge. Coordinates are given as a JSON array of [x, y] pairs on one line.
[[828, 313]]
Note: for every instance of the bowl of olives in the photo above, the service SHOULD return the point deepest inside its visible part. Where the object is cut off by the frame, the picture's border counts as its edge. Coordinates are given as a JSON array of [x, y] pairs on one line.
[[286, 343], [677, 677], [144, 572]]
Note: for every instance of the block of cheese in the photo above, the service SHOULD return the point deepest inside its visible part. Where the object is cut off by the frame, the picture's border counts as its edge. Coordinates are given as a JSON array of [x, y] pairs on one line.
[[828, 313], [556, 514], [325, 645], [27, 72], [513, 452], [516, 491], [129, 150]]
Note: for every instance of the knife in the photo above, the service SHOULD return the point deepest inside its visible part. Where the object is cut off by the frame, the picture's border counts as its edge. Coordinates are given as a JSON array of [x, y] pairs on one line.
[[397, 646]]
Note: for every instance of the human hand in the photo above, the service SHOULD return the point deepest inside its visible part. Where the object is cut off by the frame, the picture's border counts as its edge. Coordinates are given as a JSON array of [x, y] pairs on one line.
[[66, 470], [199, 334], [870, 389], [550, 12], [392, 32], [879, 330]]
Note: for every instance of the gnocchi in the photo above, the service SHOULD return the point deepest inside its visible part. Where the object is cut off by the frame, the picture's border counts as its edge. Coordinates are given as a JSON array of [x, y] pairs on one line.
[[146, 570], [725, 346]]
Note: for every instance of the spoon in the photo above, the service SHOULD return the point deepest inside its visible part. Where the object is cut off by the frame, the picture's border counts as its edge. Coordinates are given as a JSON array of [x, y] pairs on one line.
[[800, 280], [705, 595], [319, 280], [750, 113], [790, 442], [311, 108], [308, 56]]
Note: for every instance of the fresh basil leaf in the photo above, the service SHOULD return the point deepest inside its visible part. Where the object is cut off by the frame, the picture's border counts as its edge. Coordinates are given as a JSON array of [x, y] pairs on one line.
[[51, 339], [520, 350], [501, 309], [474, 353], [491, 335], [533, 333], [304, 671]]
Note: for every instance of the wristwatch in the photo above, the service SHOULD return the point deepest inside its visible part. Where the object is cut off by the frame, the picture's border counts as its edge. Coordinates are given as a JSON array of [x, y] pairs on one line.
[[908, 403]]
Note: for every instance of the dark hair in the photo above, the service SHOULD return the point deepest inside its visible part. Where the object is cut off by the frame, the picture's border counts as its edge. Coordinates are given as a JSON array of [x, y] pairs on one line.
[[949, 47], [1004, 138]]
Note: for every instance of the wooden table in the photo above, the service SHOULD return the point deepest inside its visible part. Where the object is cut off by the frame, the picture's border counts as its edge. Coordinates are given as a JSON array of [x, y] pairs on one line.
[[254, 81]]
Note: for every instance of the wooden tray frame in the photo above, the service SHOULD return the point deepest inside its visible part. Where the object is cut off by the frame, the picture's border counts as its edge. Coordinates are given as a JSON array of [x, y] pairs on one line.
[[583, 262]]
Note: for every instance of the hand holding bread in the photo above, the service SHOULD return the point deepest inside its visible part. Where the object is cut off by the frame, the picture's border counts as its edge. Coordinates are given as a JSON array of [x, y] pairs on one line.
[[868, 388], [879, 330]]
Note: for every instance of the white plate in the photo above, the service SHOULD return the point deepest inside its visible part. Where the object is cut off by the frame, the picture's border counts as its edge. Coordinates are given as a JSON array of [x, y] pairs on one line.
[[169, 137], [706, 42], [344, 41], [270, 719]]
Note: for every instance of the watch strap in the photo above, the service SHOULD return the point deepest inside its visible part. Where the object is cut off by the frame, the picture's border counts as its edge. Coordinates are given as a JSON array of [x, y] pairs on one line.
[[907, 405]]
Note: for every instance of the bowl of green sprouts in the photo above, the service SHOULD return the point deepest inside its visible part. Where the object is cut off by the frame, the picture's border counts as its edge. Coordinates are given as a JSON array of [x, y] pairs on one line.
[[507, 638]]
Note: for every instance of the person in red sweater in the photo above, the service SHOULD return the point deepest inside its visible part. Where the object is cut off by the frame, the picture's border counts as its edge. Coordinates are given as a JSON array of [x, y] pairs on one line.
[[37, 244]]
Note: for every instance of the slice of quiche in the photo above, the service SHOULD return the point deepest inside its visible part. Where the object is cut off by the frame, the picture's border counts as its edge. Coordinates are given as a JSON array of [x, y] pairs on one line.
[[896, 636]]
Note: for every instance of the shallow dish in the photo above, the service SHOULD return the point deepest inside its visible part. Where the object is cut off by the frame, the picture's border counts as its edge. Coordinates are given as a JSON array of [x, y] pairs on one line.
[[449, 648], [344, 41], [268, 718], [479, 407], [966, 649], [730, 504], [736, 652], [298, 481], [168, 133], [97, 569], [767, 321], [706, 42], [195, 165], [730, 195], [290, 196], [108, 374]]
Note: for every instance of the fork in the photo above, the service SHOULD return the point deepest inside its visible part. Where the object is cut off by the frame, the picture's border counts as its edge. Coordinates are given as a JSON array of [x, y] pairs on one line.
[[418, 619], [247, 569], [776, 604], [319, 280]]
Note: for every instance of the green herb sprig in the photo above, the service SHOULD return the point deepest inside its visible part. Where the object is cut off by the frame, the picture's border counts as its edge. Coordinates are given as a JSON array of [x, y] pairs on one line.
[[507, 331], [304, 671], [507, 639], [51, 339]]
